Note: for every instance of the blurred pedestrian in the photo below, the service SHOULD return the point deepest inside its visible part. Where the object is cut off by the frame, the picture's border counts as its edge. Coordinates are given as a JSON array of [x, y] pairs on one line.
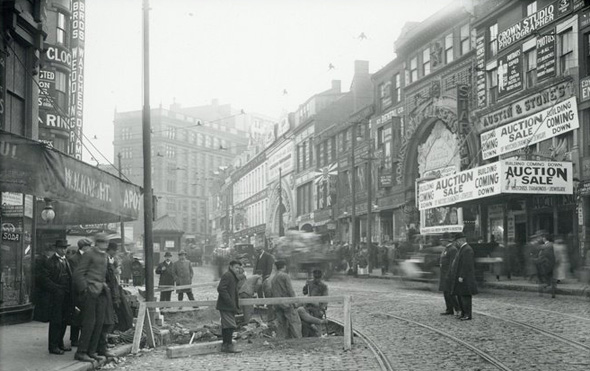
[[126, 268], [288, 321], [228, 305], [183, 275], [90, 283], [137, 272], [247, 290], [562, 264], [74, 258], [263, 262], [112, 251], [445, 281], [58, 282], [166, 281], [463, 274], [545, 261], [384, 260]]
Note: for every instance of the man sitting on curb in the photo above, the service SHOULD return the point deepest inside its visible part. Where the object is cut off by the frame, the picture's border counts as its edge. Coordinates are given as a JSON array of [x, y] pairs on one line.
[[228, 305]]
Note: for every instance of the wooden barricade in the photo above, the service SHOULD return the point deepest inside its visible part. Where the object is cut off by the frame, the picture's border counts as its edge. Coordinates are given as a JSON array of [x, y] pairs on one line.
[[143, 317]]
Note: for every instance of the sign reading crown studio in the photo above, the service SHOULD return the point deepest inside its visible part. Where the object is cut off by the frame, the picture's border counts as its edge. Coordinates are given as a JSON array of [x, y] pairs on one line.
[[531, 177], [553, 121]]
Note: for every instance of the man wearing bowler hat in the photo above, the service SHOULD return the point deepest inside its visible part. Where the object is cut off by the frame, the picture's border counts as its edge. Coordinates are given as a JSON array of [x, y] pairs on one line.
[[446, 259], [463, 274], [57, 281], [183, 275], [164, 269], [74, 258]]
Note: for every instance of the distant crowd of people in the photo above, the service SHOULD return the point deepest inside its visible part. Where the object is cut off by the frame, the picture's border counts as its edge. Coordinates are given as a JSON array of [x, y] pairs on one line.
[[81, 287]]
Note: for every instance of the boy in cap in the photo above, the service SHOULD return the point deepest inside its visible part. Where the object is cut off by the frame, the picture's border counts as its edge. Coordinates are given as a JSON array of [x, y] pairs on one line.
[[58, 281], [164, 269]]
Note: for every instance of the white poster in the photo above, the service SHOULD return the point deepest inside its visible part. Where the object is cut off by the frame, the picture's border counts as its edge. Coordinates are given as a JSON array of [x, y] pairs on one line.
[[548, 123], [537, 177]]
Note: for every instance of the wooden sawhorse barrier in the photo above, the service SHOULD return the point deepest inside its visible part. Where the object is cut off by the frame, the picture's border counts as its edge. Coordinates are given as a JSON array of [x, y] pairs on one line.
[[143, 317]]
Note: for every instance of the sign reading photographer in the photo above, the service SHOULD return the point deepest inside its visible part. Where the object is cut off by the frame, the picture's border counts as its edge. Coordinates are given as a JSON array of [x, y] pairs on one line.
[[537, 177], [556, 120], [463, 186]]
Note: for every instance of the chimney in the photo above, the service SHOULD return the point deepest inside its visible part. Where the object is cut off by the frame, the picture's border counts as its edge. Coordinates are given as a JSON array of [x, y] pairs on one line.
[[336, 86], [361, 67]]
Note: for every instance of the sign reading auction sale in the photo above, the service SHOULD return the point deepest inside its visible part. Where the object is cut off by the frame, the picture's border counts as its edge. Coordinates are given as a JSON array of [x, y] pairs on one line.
[[537, 177], [553, 121], [531, 177]]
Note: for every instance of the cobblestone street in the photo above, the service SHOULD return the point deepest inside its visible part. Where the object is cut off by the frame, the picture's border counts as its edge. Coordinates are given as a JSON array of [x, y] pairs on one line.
[[510, 331]]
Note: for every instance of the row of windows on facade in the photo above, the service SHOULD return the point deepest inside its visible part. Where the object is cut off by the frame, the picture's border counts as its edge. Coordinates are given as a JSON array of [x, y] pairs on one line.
[[250, 184]]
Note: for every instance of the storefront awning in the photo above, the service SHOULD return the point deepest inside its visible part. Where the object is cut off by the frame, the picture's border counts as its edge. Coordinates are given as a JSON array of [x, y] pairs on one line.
[[85, 194], [502, 177]]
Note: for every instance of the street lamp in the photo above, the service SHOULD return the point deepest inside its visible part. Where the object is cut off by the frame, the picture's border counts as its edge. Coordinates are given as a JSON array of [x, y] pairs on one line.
[[48, 214]]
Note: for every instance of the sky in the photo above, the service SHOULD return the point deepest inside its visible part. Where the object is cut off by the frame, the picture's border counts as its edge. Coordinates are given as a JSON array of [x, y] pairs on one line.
[[242, 52]]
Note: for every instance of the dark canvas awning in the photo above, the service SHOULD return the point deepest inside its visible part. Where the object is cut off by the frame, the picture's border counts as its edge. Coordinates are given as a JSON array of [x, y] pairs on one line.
[[85, 193]]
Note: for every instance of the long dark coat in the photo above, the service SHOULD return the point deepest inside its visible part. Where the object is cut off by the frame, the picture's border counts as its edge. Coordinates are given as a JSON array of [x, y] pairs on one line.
[[41, 296], [227, 300], [263, 265], [166, 275], [545, 260], [463, 266], [57, 280], [446, 259]]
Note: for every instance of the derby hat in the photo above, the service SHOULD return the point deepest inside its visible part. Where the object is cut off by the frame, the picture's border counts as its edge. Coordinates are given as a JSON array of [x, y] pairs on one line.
[[61, 244], [182, 252], [540, 233], [458, 235], [446, 237], [168, 254]]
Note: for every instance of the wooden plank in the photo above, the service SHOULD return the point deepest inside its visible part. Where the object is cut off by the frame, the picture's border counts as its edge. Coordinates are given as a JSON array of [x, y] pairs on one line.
[[149, 331], [138, 327], [187, 350], [347, 324], [261, 301], [172, 288]]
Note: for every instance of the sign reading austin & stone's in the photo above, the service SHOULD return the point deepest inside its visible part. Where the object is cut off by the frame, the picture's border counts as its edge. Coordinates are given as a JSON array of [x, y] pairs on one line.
[[551, 122]]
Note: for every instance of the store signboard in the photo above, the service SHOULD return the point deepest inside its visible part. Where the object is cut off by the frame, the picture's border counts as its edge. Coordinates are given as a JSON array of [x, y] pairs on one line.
[[525, 177], [532, 177], [546, 56], [556, 120], [510, 73], [585, 89], [463, 186]]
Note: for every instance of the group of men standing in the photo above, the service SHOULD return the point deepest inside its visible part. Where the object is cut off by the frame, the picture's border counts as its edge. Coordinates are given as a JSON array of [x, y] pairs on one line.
[[179, 273], [81, 290], [457, 276]]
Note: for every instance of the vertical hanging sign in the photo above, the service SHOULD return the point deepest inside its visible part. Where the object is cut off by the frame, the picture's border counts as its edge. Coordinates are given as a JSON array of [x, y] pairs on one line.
[[546, 56], [480, 66], [77, 77]]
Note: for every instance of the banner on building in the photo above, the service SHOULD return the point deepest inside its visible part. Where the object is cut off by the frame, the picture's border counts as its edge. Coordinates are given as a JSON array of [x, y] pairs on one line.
[[510, 73], [556, 120], [530, 177]]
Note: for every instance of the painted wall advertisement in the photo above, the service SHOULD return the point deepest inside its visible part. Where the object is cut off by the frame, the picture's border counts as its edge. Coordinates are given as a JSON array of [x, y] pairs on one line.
[[528, 177], [546, 56], [77, 77], [510, 73], [556, 120]]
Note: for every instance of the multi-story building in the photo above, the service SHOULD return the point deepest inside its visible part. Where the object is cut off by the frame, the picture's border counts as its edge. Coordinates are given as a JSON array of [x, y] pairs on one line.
[[190, 147], [61, 88]]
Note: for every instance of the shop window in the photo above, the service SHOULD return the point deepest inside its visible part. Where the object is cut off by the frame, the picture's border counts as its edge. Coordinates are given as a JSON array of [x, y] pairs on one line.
[[449, 48], [413, 69], [493, 85], [566, 52], [385, 94], [531, 8], [397, 88], [493, 37], [426, 61], [465, 42], [61, 89], [531, 68], [62, 29]]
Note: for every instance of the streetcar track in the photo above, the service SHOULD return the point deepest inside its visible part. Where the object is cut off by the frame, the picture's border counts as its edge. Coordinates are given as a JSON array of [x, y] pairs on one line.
[[379, 355], [550, 334], [486, 356]]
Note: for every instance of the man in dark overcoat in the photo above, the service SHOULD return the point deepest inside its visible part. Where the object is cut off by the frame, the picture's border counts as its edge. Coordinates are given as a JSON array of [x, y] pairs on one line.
[[263, 263], [58, 282], [446, 259], [90, 283], [463, 274], [84, 245], [166, 273], [545, 261], [228, 305]]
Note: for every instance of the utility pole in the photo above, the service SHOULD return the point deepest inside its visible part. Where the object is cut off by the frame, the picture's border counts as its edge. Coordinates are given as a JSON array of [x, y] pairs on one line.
[[148, 245], [280, 189], [370, 204], [353, 190], [121, 219]]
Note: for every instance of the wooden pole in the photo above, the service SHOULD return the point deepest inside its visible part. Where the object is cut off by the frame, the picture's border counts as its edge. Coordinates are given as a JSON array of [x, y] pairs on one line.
[[347, 324]]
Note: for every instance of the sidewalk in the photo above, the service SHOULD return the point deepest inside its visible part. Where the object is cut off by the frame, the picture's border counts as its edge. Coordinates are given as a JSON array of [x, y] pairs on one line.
[[23, 347], [570, 287]]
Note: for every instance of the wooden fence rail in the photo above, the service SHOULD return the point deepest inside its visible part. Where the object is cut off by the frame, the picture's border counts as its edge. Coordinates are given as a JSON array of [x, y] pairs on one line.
[[143, 317]]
